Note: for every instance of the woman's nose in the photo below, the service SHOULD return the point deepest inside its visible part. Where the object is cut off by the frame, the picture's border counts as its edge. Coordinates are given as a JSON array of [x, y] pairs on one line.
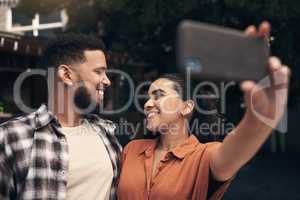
[[148, 105]]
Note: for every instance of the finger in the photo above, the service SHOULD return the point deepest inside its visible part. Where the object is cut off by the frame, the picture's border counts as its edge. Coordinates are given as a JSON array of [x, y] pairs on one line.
[[286, 70], [281, 86], [274, 64], [264, 30], [247, 87], [281, 77], [251, 31]]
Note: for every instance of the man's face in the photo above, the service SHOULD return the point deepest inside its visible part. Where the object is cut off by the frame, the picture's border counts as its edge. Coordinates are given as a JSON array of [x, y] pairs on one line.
[[91, 79]]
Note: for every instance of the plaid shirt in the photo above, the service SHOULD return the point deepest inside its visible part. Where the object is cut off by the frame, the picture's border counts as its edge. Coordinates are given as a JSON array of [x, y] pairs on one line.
[[34, 156]]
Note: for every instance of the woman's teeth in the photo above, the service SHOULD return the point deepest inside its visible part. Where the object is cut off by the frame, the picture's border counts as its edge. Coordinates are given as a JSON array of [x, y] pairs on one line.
[[100, 92], [151, 114]]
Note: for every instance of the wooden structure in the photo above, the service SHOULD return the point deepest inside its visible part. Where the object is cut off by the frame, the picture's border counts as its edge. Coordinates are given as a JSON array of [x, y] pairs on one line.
[[18, 54]]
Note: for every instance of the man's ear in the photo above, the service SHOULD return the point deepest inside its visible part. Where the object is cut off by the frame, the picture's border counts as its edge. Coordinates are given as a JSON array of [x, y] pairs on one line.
[[188, 108], [64, 72]]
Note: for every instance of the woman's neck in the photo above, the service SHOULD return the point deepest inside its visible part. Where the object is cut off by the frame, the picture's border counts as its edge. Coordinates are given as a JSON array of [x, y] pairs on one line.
[[172, 137]]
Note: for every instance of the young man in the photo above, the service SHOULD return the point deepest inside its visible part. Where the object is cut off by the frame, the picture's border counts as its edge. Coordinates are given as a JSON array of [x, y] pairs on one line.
[[58, 152]]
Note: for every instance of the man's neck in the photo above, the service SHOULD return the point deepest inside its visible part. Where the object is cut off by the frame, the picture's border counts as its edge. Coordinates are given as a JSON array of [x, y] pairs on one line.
[[64, 111], [68, 119]]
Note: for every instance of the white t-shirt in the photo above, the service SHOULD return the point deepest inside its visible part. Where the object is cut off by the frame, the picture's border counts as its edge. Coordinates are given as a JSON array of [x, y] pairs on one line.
[[90, 172]]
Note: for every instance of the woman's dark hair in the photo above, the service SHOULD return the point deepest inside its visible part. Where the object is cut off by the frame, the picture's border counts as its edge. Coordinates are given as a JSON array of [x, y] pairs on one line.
[[179, 85]]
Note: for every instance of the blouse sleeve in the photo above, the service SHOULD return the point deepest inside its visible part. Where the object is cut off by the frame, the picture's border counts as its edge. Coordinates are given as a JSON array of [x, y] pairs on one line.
[[207, 186], [217, 188]]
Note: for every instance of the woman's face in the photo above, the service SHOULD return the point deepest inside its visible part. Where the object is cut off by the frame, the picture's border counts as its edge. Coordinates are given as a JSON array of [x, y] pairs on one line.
[[164, 105]]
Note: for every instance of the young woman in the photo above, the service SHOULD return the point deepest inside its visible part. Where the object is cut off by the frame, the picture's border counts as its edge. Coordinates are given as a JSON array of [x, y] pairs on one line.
[[176, 166]]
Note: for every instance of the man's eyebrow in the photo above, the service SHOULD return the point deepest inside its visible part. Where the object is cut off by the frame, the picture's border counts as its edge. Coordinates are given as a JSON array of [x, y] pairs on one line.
[[100, 68]]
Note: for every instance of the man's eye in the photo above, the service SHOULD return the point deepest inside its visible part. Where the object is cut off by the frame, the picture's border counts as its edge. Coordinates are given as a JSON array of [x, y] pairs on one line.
[[98, 72]]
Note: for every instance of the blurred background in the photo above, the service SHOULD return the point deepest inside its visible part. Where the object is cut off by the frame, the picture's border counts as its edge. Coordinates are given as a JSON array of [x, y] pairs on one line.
[[140, 36]]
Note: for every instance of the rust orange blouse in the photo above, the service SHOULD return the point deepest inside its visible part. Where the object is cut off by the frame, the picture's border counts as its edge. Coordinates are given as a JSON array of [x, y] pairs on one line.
[[182, 175]]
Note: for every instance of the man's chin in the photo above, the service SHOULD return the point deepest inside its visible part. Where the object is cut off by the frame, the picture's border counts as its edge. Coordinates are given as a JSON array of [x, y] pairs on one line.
[[98, 108], [87, 108], [85, 103]]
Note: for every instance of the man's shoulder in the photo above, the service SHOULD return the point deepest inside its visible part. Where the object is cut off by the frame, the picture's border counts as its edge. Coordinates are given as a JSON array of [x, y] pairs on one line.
[[23, 126], [16, 124], [16, 134]]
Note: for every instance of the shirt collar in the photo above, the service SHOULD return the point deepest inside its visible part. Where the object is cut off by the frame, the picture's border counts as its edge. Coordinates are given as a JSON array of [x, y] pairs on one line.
[[187, 147], [43, 117], [149, 147], [105, 124]]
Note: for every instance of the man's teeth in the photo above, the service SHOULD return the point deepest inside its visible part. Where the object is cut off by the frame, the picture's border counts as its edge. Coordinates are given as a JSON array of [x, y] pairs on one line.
[[101, 92]]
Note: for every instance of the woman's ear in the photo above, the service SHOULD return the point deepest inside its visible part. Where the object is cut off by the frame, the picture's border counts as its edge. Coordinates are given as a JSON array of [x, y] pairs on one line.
[[188, 108], [65, 74]]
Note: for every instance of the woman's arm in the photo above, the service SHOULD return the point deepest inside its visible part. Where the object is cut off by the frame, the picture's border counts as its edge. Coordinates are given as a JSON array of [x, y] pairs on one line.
[[265, 107]]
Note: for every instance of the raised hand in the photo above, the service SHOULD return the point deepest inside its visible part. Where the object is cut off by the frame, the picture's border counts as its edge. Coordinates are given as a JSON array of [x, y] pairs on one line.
[[266, 100]]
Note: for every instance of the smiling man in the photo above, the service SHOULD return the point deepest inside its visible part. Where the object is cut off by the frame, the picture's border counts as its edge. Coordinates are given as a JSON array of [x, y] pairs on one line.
[[59, 151]]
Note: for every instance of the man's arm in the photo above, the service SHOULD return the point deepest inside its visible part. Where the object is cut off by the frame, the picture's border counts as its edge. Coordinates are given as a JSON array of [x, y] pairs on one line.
[[242, 144]]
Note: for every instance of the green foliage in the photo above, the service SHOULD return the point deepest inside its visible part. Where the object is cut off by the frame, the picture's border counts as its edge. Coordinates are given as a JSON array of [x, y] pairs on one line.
[[30, 7], [1, 107], [147, 29]]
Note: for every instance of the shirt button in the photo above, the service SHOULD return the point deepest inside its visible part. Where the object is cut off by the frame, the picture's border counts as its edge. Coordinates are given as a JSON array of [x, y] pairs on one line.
[[62, 173], [148, 153]]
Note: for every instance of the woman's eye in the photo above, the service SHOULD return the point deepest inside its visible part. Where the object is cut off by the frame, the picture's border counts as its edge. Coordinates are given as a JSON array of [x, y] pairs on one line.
[[158, 95]]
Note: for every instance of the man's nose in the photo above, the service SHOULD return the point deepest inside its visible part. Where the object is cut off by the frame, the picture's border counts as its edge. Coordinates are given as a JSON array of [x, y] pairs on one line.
[[106, 81]]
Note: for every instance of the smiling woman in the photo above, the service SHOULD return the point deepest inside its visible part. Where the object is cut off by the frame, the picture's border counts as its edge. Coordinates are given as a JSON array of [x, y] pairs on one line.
[[176, 165]]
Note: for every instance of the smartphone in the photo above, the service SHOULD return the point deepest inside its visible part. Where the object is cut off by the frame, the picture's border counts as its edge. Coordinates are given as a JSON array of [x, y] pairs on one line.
[[212, 52]]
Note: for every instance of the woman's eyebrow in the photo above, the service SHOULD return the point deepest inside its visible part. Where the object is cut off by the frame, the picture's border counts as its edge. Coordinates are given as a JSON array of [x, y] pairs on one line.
[[154, 92]]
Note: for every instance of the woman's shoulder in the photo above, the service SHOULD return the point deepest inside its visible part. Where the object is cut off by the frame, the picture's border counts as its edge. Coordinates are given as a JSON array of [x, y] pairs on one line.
[[207, 147], [139, 145], [140, 142], [213, 144]]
